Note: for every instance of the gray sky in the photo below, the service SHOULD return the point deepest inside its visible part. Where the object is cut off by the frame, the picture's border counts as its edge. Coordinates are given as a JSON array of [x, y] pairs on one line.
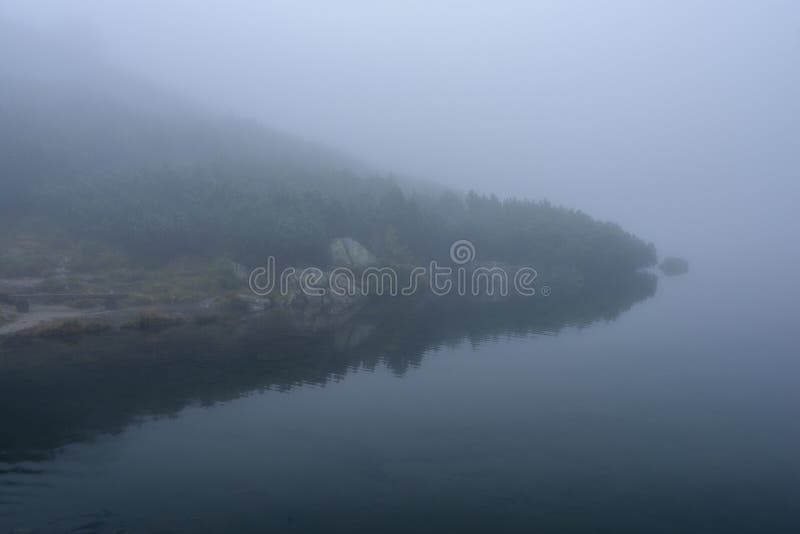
[[678, 119]]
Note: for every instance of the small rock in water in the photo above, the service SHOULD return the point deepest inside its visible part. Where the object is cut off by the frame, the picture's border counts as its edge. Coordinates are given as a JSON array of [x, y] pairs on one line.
[[672, 265]]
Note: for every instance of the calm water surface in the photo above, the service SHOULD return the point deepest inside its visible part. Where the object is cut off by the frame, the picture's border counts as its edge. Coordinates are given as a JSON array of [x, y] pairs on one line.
[[679, 414]]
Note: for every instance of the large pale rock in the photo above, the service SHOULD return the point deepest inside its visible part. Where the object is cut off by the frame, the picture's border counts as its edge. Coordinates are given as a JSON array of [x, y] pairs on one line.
[[347, 252]]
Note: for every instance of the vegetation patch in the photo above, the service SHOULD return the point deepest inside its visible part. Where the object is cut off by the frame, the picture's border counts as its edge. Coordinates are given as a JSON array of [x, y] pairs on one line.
[[68, 328], [154, 320], [5, 319], [206, 318]]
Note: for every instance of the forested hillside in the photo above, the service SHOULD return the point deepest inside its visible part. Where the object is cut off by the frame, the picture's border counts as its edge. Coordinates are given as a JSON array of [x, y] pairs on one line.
[[159, 178]]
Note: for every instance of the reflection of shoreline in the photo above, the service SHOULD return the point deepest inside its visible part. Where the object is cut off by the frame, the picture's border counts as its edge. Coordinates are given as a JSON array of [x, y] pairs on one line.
[[53, 393]]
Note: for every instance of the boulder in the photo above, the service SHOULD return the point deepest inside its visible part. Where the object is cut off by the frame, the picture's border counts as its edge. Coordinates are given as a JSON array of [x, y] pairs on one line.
[[347, 252]]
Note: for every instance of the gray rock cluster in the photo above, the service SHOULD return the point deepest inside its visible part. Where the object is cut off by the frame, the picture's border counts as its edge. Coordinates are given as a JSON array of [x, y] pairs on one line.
[[304, 307], [319, 311]]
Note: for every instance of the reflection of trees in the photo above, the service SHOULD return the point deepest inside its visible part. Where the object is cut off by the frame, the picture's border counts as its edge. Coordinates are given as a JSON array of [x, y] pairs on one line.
[[52, 394]]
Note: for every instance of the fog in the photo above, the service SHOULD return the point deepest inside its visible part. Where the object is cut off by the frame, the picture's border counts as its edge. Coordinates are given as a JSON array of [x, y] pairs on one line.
[[678, 120], [399, 265]]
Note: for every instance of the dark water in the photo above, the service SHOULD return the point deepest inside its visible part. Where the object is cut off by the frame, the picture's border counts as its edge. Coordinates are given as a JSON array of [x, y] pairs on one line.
[[638, 410]]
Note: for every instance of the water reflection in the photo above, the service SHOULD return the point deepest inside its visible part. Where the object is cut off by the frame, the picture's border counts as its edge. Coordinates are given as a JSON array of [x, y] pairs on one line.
[[53, 393]]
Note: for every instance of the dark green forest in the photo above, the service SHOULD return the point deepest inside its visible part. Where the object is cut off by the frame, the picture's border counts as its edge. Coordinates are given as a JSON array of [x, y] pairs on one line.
[[160, 179]]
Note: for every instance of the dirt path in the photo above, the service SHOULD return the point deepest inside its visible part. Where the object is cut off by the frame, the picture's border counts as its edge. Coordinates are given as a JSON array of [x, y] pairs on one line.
[[45, 313]]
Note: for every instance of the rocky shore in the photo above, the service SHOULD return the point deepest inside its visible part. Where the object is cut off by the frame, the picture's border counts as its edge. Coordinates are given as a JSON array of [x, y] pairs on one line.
[[66, 304]]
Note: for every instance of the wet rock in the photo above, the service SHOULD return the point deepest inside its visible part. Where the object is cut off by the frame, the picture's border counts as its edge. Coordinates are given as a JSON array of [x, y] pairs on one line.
[[254, 303], [347, 252]]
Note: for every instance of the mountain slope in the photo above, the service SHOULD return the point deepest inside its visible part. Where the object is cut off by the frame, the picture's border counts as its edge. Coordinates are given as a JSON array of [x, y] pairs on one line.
[[105, 157]]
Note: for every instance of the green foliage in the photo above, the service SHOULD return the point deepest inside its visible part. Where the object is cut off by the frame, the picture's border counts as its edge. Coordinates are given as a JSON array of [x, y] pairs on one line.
[[157, 217], [154, 320], [159, 187], [68, 328]]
